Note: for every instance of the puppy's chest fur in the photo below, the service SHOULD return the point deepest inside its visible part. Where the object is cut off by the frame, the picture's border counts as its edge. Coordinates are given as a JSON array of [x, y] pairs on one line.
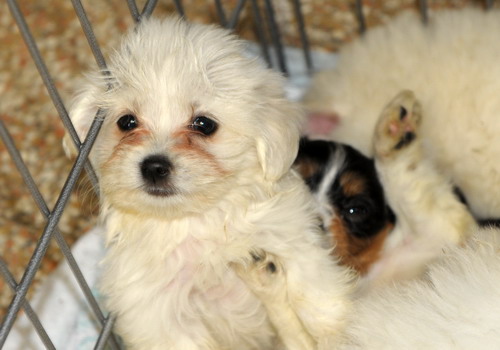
[[181, 268]]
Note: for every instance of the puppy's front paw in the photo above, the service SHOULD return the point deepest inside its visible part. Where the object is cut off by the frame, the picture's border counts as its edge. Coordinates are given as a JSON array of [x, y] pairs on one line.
[[262, 272], [397, 127]]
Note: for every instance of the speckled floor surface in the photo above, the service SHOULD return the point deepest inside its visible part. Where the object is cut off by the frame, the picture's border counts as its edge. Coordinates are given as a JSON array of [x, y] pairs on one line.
[[33, 122]]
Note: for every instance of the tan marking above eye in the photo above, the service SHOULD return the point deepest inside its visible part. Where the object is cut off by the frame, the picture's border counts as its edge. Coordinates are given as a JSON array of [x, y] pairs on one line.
[[352, 184]]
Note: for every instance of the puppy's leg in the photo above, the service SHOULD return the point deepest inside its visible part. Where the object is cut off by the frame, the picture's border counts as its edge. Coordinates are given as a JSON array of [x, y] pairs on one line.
[[265, 276], [429, 215]]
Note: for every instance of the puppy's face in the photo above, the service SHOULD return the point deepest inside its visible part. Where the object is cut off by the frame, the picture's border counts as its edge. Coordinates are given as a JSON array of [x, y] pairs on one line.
[[188, 119], [351, 199]]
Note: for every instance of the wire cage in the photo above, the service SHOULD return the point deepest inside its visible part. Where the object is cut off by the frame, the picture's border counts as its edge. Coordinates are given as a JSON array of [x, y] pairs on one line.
[[267, 33], [51, 232]]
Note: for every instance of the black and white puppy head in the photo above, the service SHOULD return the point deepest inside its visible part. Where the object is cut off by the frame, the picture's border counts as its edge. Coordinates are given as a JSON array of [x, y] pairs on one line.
[[189, 117], [350, 197]]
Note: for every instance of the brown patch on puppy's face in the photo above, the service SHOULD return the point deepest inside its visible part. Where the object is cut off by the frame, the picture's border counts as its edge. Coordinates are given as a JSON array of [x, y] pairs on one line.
[[358, 253], [350, 198]]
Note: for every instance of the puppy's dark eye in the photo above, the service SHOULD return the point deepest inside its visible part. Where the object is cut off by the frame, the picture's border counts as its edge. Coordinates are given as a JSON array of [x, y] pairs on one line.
[[356, 213], [127, 122], [204, 125], [402, 112]]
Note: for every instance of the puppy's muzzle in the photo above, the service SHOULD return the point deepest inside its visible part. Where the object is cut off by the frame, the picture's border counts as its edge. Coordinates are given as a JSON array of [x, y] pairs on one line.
[[155, 171]]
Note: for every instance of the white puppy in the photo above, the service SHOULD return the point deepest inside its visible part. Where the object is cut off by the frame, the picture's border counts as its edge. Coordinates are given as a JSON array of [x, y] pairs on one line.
[[452, 66], [193, 161]]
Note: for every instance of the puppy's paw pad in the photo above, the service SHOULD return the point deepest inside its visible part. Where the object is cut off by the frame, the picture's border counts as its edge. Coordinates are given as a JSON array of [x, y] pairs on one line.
[[398, 124], [265, 266], [262, 272]]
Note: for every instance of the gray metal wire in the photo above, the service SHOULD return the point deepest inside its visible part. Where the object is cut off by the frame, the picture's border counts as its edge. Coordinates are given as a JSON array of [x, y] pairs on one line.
[[261, 36], [275, 36], [303, 36], [360, 16], [235, 15], [89, 33], [51, 226], [149, 8], [179, 8], [26, 307], [424, 10], [49, 230], [49, 84], [220, 13], [134, 11], [65, 249], [106, 332]]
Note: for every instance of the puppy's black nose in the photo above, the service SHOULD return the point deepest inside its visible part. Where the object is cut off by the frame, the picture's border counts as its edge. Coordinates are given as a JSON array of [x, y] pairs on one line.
[[155, 169]]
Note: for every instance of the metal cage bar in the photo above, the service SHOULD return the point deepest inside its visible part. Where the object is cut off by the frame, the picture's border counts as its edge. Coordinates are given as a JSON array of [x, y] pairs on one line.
[[360, 16], [149, 8], [89, 34], [235, 15], [49, 83], [275, 35], [134, 11], [259, 28], [26, 307], [53, 218], [424, 10], [220, 13], [48, 232], [65, 249], [179, 8], [303, 37]]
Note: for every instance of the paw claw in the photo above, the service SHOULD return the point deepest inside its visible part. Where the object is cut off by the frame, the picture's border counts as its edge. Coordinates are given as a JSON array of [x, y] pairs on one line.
[[262, 272], [271, 267], [407, 138], [403, 112]]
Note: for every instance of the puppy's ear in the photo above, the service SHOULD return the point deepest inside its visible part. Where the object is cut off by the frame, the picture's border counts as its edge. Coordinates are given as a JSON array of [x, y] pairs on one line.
[[82, 112], [278, 142], [305, 163]]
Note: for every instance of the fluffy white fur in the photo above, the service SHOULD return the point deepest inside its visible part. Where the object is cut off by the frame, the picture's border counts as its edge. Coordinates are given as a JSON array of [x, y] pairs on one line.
[[170, 274], [455, 305], [452, 66], [453, 301], [429, 215]]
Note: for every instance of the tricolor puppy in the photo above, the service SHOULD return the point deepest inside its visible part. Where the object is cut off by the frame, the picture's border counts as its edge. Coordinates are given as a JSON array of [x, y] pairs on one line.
[[351, 200], [354, 208], [193, 161], [390, 216]]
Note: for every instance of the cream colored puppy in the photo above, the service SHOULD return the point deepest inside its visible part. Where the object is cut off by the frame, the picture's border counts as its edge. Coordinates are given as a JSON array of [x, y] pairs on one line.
[[193, 161], [452, 66]]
